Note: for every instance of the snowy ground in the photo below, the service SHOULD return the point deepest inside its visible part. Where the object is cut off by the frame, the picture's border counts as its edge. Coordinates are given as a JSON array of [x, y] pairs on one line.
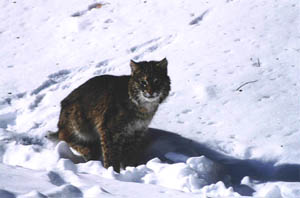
[[230, 126]]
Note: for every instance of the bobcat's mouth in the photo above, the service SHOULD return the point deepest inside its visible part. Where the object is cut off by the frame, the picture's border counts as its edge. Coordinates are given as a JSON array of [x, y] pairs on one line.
[[150, 98]]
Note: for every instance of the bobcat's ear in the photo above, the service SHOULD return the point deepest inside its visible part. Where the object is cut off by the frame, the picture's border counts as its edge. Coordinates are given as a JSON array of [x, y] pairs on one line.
[[163, 64], [134, 66]]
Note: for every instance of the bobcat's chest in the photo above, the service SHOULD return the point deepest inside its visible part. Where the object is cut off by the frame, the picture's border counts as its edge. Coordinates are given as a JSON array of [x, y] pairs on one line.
[[139, 126]]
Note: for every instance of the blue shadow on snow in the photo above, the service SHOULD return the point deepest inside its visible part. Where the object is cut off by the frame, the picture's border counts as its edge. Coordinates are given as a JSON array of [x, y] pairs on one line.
[[163, 142]]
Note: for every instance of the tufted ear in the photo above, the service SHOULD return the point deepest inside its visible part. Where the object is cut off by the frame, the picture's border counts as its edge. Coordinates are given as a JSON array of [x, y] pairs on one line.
[[134, 66], [163, 64]]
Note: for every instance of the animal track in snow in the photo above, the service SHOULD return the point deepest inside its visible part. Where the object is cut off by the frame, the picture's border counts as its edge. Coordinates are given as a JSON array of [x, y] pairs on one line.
[[36, 102], [147, 43], [256, 62], [248, 152], [227, 51], [62, 191], [148, 50], [102, 71], [20, 138], [60, 75], [263, 98], [7, 100], [291, 133], [211, 91], [104, 67], [90, 7], [211, 123], [7, 119], [186, 111], [150, 46], [43, 86], [55, 178], [103, 63], [199, 18], [180, 122], [52, 79]]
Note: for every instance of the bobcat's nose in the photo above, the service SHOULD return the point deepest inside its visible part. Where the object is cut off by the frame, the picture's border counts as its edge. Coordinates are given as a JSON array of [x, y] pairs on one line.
[[149, 93]]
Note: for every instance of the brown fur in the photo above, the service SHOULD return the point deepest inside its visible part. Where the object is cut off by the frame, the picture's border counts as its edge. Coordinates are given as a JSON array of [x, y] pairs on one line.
[[106, 118]]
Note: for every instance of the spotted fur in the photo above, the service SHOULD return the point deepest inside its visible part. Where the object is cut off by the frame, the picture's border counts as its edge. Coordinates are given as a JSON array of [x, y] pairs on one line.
[[107, 117]]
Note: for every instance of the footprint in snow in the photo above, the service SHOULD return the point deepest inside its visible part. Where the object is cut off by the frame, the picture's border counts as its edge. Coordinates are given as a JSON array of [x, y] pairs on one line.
[[7, 119], [36, 102], [55, 178], [199, 18], [140, 46], [66, 191], [186, 111], [150, 46], [104, 67], [90, 7], [52, 80]]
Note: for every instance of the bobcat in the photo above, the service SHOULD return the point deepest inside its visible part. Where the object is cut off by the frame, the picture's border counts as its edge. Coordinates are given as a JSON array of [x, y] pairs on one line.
[[107, 117]]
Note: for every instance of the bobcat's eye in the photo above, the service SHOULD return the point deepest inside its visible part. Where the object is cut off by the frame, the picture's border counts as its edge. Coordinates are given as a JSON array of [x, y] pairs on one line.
[[143, 83]]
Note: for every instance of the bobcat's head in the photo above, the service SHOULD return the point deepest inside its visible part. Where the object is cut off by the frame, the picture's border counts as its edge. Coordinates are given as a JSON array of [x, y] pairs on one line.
[[149, 82]]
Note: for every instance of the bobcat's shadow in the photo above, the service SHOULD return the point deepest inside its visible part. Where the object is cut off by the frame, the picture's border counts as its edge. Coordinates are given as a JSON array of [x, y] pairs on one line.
[[163, 142]]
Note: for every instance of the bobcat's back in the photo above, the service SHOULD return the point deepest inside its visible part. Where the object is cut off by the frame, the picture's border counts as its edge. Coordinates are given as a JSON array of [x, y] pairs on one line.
[[92, 91], [86, 106], [107, 116]]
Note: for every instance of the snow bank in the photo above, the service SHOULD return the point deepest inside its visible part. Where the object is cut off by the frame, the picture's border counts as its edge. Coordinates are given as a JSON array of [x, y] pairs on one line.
[[197, 175], [190, 176]]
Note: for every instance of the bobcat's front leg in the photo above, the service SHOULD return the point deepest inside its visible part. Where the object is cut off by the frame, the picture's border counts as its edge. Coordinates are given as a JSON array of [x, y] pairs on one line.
[[109, 152], [133, 149]]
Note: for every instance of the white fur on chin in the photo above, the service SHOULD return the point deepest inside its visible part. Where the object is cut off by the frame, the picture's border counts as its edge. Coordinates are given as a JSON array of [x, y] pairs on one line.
[[150, 100], [150, 104]]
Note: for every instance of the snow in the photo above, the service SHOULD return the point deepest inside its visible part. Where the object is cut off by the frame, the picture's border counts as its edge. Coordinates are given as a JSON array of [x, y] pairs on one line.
[[229, 128]]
